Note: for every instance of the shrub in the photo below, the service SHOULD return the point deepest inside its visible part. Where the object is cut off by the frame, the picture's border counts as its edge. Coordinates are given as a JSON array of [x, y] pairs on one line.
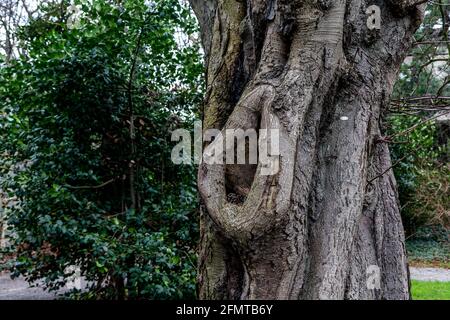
[[88, 112]]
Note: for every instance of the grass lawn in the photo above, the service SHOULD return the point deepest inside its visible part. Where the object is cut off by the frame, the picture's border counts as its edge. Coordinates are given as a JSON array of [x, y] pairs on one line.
[[430, 290]]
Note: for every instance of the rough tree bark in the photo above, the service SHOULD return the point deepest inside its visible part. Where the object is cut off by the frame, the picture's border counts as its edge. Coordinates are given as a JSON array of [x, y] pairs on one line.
[[312, 230]]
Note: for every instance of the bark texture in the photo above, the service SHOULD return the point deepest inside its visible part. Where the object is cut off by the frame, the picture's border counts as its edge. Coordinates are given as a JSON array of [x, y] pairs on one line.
[[312, 230]]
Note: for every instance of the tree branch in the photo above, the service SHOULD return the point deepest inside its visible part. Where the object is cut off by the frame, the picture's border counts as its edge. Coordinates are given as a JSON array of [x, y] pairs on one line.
[[205, 10], [91, 187]]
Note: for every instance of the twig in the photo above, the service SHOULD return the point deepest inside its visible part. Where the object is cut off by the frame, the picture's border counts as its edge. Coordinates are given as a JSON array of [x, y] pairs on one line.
[[91, 187], [387, 170], [414, 127]]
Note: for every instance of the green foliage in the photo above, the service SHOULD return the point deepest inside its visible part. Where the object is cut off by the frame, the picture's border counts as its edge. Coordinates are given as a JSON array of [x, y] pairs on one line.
[[87, 114], [430, 290], [430, 245], [415, 150], [423, 181], [423, 178]]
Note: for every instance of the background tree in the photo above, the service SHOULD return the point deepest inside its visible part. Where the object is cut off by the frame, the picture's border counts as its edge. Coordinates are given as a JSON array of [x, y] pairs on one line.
[[419, 140], [314, 70]]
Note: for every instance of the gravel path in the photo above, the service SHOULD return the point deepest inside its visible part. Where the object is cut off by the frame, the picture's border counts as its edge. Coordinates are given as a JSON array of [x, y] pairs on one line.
[[430, 274], [18, 289]]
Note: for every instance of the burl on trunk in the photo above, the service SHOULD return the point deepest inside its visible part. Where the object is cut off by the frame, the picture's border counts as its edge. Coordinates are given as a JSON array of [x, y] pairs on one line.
[[327, 225]]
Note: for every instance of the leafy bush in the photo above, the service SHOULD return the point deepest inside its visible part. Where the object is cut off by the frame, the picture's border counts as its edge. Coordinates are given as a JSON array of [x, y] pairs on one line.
[[87, 114], [430, 245], [430, 203], [422, 180]]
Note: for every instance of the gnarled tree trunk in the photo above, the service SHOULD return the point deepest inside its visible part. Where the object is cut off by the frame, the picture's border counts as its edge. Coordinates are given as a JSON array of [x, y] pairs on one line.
[[314, 70]]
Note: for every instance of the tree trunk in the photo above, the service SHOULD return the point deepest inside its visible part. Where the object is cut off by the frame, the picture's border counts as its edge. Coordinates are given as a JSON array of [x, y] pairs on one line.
[[321, 227]]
